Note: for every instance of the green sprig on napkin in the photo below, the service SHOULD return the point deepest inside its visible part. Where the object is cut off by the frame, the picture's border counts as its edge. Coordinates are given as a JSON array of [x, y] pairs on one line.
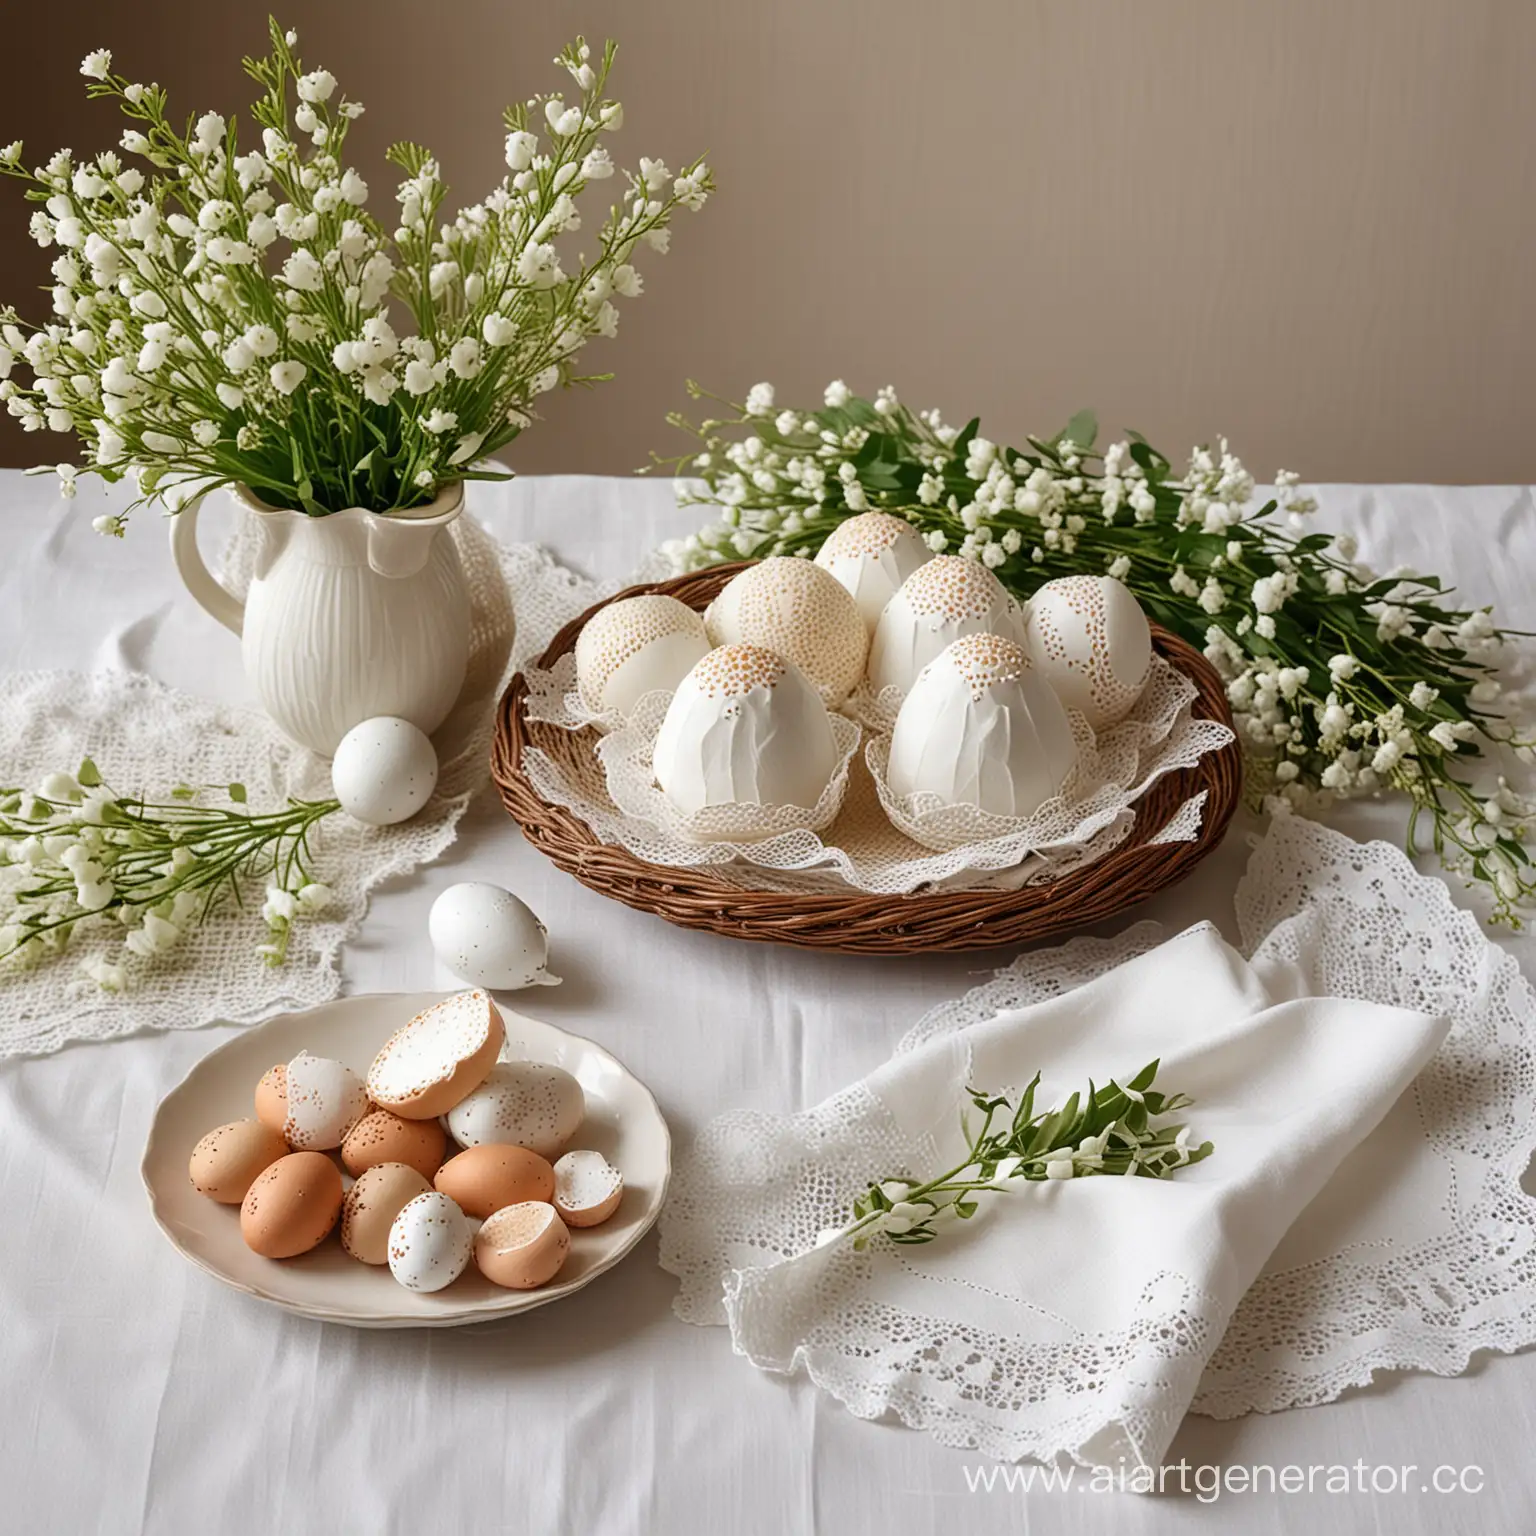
[[1106, 1130]]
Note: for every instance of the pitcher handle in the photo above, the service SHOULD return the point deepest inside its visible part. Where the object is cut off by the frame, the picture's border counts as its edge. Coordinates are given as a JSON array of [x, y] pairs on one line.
[[200, 581]]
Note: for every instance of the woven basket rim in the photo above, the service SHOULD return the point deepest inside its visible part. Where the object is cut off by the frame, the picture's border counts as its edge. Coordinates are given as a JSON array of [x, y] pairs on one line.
[[862, 922]]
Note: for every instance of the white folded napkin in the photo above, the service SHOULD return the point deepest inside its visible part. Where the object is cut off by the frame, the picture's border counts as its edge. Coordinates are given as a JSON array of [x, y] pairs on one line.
[[1068, 1316]]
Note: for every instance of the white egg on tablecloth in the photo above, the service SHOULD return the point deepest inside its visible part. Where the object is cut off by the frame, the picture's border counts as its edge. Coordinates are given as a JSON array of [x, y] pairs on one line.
[[745, 727], [636, 646], [384, 771], [980, 727], [872, 555], [430, 1242], [489, 937], [941, 601], [1089, 639], [797, 610]]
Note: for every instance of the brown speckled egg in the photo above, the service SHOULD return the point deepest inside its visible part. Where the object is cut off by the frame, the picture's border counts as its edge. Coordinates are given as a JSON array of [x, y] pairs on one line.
[[383, 1137], [371, 1205], [522, 1246], [225, 1162], [292, 1206], [483, 1179], [272, 1098]]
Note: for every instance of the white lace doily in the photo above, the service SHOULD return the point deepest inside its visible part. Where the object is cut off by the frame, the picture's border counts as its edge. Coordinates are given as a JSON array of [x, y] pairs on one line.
[[867, 845], [1418, 1253], [146, 738]]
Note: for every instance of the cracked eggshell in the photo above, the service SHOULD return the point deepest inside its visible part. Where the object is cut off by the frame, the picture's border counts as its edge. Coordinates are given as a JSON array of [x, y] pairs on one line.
[[429, 1243], [941, 601], [531, 1104], [324, 1099], [745, 727], [980, 727], [800, 612], [292, 1206], [226, 1162], [490, 938], [384, 1137], [384, 771], [443, 1054], [1090, 640], [522, 1246], [369, 1209], [871, 555], [483, 1179], [588, 1189], [638, 645]]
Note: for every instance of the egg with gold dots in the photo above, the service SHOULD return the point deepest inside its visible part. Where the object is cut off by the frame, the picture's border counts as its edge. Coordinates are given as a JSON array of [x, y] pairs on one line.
[[1089, 639]]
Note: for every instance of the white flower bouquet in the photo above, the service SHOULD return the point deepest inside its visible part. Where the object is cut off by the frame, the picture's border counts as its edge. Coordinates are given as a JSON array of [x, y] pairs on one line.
[[1343, 682], [222, 314]]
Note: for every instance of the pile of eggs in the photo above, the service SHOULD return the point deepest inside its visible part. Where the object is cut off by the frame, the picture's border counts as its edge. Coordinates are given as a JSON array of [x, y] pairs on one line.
[[440, 1155], [984, 685]]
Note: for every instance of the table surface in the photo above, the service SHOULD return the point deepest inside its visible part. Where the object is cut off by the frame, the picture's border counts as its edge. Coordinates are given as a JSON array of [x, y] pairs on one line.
[[139, 1394]]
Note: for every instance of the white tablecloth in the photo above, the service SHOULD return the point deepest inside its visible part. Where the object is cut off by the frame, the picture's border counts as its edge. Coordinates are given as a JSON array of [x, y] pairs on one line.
[[138, 1394]]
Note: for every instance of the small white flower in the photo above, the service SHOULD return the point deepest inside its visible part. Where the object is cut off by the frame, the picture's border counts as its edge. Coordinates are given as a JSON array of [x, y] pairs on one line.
[[262, 340], [315, 897], [1060, 1168], [419, 378], [497, 330], [1444, 735], [97, 65], [837, 393], [760, 400], [1342, 668], [354, 190], [438, 421], [287, 375], [521, 148], [317, 85], [106, 975], [280, 907]]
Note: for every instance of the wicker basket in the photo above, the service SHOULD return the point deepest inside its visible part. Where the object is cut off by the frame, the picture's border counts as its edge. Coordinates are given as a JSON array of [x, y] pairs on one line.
[[858, 922]]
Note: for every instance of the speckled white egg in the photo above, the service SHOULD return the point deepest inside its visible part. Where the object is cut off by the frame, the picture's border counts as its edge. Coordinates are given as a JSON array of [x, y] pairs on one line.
[[384, 771], [940, 602], [745, 727], [797, 610], [639, 645], [530, 1104], [325, 1099], [430, 1242], [489, 937], [1089, 639], [980, 727], [872, 555]]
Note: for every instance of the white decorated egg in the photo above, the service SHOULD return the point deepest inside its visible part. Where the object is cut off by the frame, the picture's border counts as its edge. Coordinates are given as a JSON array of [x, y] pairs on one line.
[[529, 1104], [872, 555], [1089, 639], [941, 601], [745, 727], [490, 938], [980, 727], [430, 1242], [325, 1099], [639, 645], [797, 610], [384, 771]]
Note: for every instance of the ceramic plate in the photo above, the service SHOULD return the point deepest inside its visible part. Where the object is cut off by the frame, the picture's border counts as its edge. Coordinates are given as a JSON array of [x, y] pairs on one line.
[[623, 1123]]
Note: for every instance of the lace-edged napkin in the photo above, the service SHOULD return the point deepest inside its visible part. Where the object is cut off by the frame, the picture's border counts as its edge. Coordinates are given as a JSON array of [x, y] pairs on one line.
[[1069, 1317]]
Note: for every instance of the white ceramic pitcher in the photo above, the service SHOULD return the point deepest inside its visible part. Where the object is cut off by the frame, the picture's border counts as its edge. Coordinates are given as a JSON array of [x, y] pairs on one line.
[[349, 616]]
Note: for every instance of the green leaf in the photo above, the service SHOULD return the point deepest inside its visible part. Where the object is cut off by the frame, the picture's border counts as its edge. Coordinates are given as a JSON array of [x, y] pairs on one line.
[[1083, 429], [237, 793], [88, 776]]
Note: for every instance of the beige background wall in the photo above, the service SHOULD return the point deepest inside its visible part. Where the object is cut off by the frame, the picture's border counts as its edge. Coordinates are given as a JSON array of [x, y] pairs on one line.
[[1306, 224]]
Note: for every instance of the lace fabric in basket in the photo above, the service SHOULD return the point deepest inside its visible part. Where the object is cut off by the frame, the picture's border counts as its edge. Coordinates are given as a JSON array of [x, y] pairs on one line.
[[609, 787], [1414, 1256], [147, 737]]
